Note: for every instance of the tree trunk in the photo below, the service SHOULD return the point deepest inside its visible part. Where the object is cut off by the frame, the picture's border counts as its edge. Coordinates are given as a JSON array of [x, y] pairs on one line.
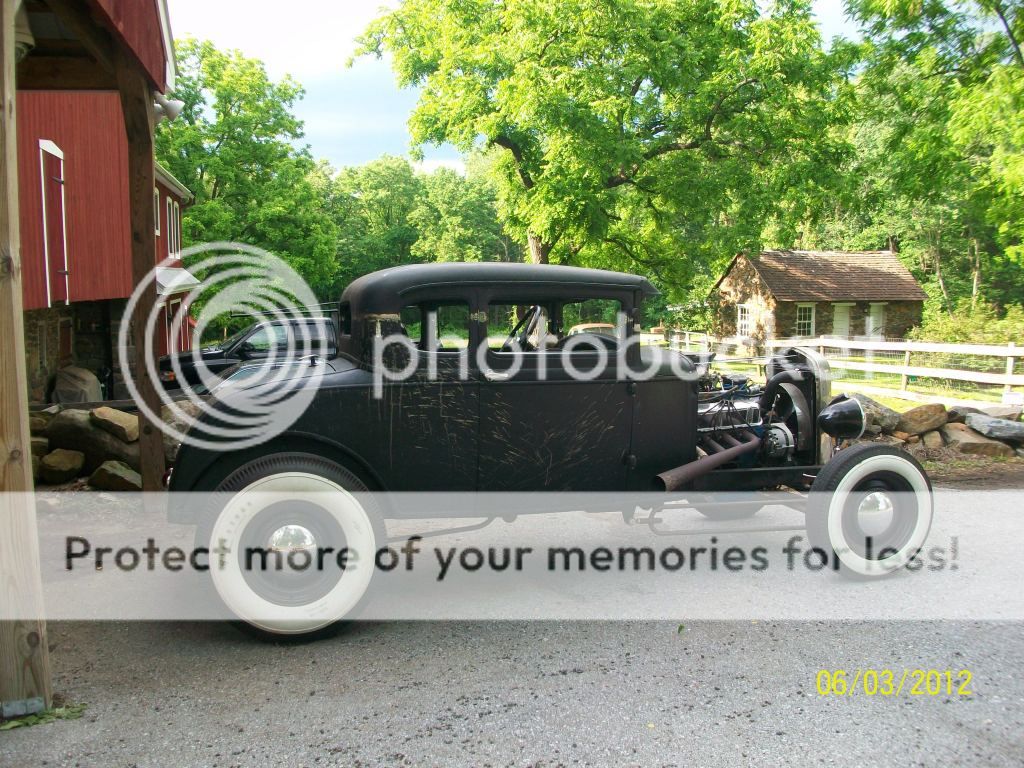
[[976, 284], [539, 250], [937, 255]]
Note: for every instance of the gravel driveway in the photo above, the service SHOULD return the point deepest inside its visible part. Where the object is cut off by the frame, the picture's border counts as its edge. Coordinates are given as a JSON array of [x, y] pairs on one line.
[[724, 693]]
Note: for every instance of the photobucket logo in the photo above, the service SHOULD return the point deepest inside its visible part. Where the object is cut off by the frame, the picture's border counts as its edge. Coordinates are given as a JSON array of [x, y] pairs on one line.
[[269, 391], [582, 357]]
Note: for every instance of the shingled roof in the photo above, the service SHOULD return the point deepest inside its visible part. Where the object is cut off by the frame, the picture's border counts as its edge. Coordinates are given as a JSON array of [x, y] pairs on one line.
[[836, 276]]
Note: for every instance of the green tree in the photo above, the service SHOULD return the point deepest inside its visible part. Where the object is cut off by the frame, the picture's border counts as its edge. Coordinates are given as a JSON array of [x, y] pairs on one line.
[[457, 220], [235, 146], [634, 132], [370, 207], [942, 92]]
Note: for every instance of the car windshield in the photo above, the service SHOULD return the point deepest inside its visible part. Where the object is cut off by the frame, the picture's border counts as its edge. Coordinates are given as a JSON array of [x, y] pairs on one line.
[[232, 339]]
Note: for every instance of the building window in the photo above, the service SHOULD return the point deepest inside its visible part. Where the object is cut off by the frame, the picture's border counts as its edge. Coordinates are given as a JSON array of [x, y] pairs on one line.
[[177, 228], [805, 320], [170, 227], [156, 211], [744, 324]]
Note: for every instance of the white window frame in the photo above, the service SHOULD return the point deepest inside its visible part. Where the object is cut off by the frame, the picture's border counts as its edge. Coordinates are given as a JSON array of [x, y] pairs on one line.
[[814, 314], [748, 321], [170, 227], [176, 222], [156, 211]]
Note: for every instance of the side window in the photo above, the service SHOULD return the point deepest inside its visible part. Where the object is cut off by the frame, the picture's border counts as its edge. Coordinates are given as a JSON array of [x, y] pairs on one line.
[[314, 337], [437, 327], [345, 320], [601, 317], [450, 326], [268, 337], [412, 321], [529, 324]]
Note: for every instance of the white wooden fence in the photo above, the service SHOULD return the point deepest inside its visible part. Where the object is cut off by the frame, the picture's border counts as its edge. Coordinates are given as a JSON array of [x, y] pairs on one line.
[[973, 367]]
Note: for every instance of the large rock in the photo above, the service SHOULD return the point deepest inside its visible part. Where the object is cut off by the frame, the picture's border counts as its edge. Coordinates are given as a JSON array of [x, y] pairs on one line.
[[923, 418], [879, 418], [932, 440], [74, 429], [124, 426], [40, 446], [966, 440], [115, 476], [189, 413], [998, 429], [1011, 412], [61, 465], [957, 414], [37, 424]]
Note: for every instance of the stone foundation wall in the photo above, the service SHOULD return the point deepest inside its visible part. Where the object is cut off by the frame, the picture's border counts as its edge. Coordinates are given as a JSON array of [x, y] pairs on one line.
[[93, 327]]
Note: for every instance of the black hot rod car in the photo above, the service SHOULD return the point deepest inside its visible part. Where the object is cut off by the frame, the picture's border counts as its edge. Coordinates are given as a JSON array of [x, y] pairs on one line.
[[494, 395]]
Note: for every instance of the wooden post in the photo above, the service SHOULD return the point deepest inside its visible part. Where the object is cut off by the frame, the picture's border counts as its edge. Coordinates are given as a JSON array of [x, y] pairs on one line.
[[137, 105], [24, 655], [1010, 362], [906, 364]]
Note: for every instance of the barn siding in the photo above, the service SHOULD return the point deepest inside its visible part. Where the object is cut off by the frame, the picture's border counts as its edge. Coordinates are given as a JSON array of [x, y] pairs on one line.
[[89, 129], [137, 22]]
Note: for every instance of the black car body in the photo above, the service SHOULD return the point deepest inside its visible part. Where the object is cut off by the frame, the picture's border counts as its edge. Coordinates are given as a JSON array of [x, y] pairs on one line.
[[505, 431], [271, 338], [463, 378]]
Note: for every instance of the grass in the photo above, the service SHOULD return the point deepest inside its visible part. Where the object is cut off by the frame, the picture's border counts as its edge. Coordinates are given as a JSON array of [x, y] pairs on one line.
[[66, 712]]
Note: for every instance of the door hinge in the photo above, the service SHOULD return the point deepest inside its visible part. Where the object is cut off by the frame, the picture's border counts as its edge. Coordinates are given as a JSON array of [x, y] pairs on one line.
[[629, 459], [631, 388]]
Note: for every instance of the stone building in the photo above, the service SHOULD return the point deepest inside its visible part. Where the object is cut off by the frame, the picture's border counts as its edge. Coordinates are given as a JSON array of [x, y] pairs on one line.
[[844, 294]]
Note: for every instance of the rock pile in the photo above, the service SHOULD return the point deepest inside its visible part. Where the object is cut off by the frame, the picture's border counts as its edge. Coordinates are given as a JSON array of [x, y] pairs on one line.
[[995, 431], [101, 444]]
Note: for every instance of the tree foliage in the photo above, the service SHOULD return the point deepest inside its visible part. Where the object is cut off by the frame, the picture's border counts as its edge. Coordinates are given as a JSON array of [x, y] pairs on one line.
[[655, 133], [235, 146], [938, 167]]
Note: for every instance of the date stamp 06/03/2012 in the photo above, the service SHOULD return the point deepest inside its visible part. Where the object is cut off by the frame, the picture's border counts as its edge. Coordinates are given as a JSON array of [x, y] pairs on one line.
[[894, 682]]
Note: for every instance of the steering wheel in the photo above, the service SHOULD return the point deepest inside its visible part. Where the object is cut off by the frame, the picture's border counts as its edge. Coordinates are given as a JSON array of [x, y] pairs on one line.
[[521, 333]]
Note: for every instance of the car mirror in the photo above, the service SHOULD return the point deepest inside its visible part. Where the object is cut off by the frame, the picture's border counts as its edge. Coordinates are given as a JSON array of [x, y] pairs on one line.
[[245, 350]]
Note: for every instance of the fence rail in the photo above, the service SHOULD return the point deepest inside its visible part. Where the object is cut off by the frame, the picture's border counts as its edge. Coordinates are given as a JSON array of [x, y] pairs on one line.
[[988, 365]]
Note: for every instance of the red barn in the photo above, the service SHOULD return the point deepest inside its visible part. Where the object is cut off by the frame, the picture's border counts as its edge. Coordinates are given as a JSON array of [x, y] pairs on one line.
[[74, 209]]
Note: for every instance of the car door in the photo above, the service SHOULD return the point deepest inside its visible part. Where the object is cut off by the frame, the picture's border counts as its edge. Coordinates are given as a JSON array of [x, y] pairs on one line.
[[543, 425], [430, 416]]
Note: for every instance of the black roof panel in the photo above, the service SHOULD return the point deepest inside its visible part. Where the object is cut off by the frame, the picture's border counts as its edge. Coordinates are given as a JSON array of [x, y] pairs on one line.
[[386, 290]]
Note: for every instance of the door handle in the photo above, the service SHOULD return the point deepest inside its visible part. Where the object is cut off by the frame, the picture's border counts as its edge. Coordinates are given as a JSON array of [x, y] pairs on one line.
[[497, 376]]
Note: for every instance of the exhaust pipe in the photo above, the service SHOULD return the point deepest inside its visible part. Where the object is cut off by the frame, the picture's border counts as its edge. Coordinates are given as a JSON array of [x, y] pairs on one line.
[[674, 479]]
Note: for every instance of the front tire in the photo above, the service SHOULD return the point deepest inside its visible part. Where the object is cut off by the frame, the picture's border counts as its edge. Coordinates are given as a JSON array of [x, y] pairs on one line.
[[290, 508], [870, 510]]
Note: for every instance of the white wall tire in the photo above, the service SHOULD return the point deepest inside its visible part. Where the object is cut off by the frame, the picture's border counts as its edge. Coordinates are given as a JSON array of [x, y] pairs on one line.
[[291, 490], [869, 477]]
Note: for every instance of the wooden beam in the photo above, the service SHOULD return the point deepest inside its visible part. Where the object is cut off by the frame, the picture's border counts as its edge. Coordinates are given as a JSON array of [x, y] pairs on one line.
[[63, 73], [137, 105], [75, 15], [24, 655]]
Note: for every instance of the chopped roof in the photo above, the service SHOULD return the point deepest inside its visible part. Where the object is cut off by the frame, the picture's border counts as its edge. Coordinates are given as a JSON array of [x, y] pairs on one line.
[[836, 276], [385, 290]]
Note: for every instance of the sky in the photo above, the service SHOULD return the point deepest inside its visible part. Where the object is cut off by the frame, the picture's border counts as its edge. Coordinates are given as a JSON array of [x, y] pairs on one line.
[[351, 115]]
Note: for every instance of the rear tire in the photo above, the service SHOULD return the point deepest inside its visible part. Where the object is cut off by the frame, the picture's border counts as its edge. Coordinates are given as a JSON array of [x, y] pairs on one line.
[[870, 510], [292, 492]]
